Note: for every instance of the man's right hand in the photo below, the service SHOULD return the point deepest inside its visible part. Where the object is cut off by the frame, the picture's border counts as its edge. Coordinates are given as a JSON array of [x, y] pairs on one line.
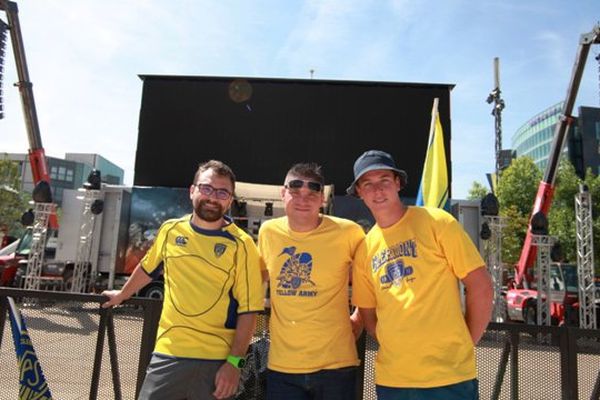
[[115, 298]]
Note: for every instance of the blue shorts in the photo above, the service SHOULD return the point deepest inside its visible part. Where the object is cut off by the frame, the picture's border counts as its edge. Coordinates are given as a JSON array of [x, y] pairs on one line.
[[327, 384], [468, 390]]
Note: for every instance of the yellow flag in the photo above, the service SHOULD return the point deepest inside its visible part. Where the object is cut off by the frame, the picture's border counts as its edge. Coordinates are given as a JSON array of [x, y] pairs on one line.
[[433, 191]]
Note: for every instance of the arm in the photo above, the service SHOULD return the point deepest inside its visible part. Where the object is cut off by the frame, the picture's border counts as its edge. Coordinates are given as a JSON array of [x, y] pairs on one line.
[[357, 323], [369, 318], [479, 301], [228, 377], [136, 281]]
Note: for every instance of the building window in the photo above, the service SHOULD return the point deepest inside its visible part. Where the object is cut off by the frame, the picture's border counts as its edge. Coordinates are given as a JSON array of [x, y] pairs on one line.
[[598, 130], [69, 176], [62, 171], [53, 173]]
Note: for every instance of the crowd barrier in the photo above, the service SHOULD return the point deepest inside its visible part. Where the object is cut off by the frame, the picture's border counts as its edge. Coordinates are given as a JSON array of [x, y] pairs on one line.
[[88, 352]]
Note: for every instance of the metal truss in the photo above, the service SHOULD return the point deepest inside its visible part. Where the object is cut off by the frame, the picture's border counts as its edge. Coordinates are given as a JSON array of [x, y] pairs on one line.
[[493, 259], [585, 260], [84, 272], [35, 261], [544, 244]]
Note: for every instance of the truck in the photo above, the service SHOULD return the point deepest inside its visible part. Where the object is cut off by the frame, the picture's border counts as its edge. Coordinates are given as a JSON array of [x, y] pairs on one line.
[[127, 226], [521, 297]]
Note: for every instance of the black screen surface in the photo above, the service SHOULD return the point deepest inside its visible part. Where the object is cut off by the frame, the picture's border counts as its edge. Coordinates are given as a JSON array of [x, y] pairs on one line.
[[260, 127]]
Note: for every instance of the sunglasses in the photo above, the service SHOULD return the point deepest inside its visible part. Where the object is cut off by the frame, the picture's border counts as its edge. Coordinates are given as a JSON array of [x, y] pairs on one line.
[[297, 184], [207, 190]]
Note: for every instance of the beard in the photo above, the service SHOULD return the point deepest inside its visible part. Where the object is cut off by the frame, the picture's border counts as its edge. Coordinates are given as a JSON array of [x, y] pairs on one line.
[[209, 214]]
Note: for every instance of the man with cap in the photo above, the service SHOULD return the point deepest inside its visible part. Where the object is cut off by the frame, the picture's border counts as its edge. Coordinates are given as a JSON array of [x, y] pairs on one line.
[[405, 284]]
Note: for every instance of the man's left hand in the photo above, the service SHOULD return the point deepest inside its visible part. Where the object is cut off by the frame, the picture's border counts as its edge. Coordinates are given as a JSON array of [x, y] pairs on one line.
[[226, 381]]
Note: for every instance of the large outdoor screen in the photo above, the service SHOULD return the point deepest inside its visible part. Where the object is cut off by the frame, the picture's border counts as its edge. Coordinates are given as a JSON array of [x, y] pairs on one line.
[[260, 127]]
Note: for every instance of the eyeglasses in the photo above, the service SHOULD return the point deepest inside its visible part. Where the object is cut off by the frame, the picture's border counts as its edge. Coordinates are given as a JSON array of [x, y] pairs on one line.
[[297, 184], [207, 190]]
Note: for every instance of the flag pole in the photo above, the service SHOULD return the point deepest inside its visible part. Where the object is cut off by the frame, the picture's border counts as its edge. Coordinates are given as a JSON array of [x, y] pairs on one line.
[[434, 112]]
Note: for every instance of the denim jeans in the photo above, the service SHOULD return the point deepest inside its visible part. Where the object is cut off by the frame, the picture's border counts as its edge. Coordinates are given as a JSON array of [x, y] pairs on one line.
[[327, 384], [468, 390]]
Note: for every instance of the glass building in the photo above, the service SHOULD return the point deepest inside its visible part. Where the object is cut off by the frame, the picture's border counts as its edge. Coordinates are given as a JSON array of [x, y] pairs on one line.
[[534, 138], [582, 146]]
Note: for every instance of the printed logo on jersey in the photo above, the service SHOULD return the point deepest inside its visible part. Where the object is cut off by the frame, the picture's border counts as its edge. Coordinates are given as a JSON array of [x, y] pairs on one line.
[[220, 249], [294, 277], [181, 241], [393, 259], [395, 274]]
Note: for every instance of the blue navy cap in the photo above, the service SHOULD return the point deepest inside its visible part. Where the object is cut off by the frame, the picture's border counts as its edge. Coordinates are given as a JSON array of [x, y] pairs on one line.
[[372, 160]]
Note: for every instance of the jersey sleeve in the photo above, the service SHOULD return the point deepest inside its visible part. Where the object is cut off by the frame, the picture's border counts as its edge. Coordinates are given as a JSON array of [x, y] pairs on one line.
[[262, 248], [154, 256], [461, 253], [247, 288], [363, 293], [357, 236]]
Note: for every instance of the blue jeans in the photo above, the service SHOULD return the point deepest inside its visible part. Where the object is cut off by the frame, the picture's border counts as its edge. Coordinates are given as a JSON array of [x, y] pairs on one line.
[[468, 390], [327, 384]]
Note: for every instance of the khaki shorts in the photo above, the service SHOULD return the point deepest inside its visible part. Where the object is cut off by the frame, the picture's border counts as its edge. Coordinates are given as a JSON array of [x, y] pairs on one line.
[[175, 378]]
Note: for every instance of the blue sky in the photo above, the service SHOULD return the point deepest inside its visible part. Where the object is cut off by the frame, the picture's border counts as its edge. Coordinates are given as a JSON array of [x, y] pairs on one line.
[[84, 57]]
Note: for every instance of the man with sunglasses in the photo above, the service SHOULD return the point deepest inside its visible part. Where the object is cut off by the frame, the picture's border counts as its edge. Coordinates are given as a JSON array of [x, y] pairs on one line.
[[308, 257], [213, 290], [406, 287]]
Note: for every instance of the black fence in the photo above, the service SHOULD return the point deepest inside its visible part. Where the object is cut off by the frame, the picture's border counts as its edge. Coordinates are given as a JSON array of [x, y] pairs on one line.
[[88, 352]]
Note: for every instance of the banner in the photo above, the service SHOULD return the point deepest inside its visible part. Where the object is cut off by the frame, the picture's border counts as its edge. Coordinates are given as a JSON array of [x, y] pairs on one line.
[[32, 383], [433, 190]]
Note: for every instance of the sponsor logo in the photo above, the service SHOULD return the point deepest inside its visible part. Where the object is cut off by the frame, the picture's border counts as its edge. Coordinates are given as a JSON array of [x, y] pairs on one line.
[[220, 249], [181, 241]]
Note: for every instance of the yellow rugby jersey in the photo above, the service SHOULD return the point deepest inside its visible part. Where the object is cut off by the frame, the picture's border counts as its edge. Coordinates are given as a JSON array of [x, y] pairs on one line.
[[309, 271], [211, 276], [409, 272]]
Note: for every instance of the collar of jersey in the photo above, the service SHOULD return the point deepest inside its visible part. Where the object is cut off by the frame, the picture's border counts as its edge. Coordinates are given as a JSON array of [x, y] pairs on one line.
[[215, 232]]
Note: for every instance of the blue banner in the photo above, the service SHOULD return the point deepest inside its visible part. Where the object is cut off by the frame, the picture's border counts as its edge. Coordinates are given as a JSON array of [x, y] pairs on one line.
[[32, 383]]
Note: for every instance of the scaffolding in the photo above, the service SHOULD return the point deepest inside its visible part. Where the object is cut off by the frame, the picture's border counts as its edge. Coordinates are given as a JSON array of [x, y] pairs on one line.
[[84, 270], [585, 259], [544, 244], [35, 260], [493, 259]]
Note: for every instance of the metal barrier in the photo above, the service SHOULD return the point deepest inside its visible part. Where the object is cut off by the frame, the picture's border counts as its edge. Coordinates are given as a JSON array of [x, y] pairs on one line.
[[70, 333]]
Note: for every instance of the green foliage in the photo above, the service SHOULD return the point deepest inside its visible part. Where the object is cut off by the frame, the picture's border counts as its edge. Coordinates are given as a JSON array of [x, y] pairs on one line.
[[518, 185], [516, 193], [513, 233], [12, 202], [477, 191], [561, 217]]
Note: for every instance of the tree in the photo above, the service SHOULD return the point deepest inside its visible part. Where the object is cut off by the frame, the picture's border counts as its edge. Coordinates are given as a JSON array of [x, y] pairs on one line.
[[516, 193], [561, 217], [518, 185], [477, 191], [12, 202], [593, 183]]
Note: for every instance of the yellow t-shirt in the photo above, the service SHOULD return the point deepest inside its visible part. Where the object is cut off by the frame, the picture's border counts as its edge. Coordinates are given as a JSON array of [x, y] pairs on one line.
[[408, 272], [309, 271], [211, 276]]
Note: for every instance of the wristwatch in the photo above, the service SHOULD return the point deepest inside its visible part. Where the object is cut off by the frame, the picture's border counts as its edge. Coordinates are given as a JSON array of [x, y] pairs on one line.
[[236, 361]]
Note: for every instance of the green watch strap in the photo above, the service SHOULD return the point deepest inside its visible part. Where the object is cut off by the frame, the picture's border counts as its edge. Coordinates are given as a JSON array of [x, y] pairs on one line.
[[236, 361]]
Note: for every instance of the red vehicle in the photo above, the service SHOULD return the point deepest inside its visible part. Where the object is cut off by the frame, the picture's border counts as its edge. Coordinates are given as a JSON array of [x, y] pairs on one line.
[[521, 297], [522, 303]]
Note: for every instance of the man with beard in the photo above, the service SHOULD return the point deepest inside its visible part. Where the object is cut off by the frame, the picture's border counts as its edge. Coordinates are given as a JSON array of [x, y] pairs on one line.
[[213, 291]]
